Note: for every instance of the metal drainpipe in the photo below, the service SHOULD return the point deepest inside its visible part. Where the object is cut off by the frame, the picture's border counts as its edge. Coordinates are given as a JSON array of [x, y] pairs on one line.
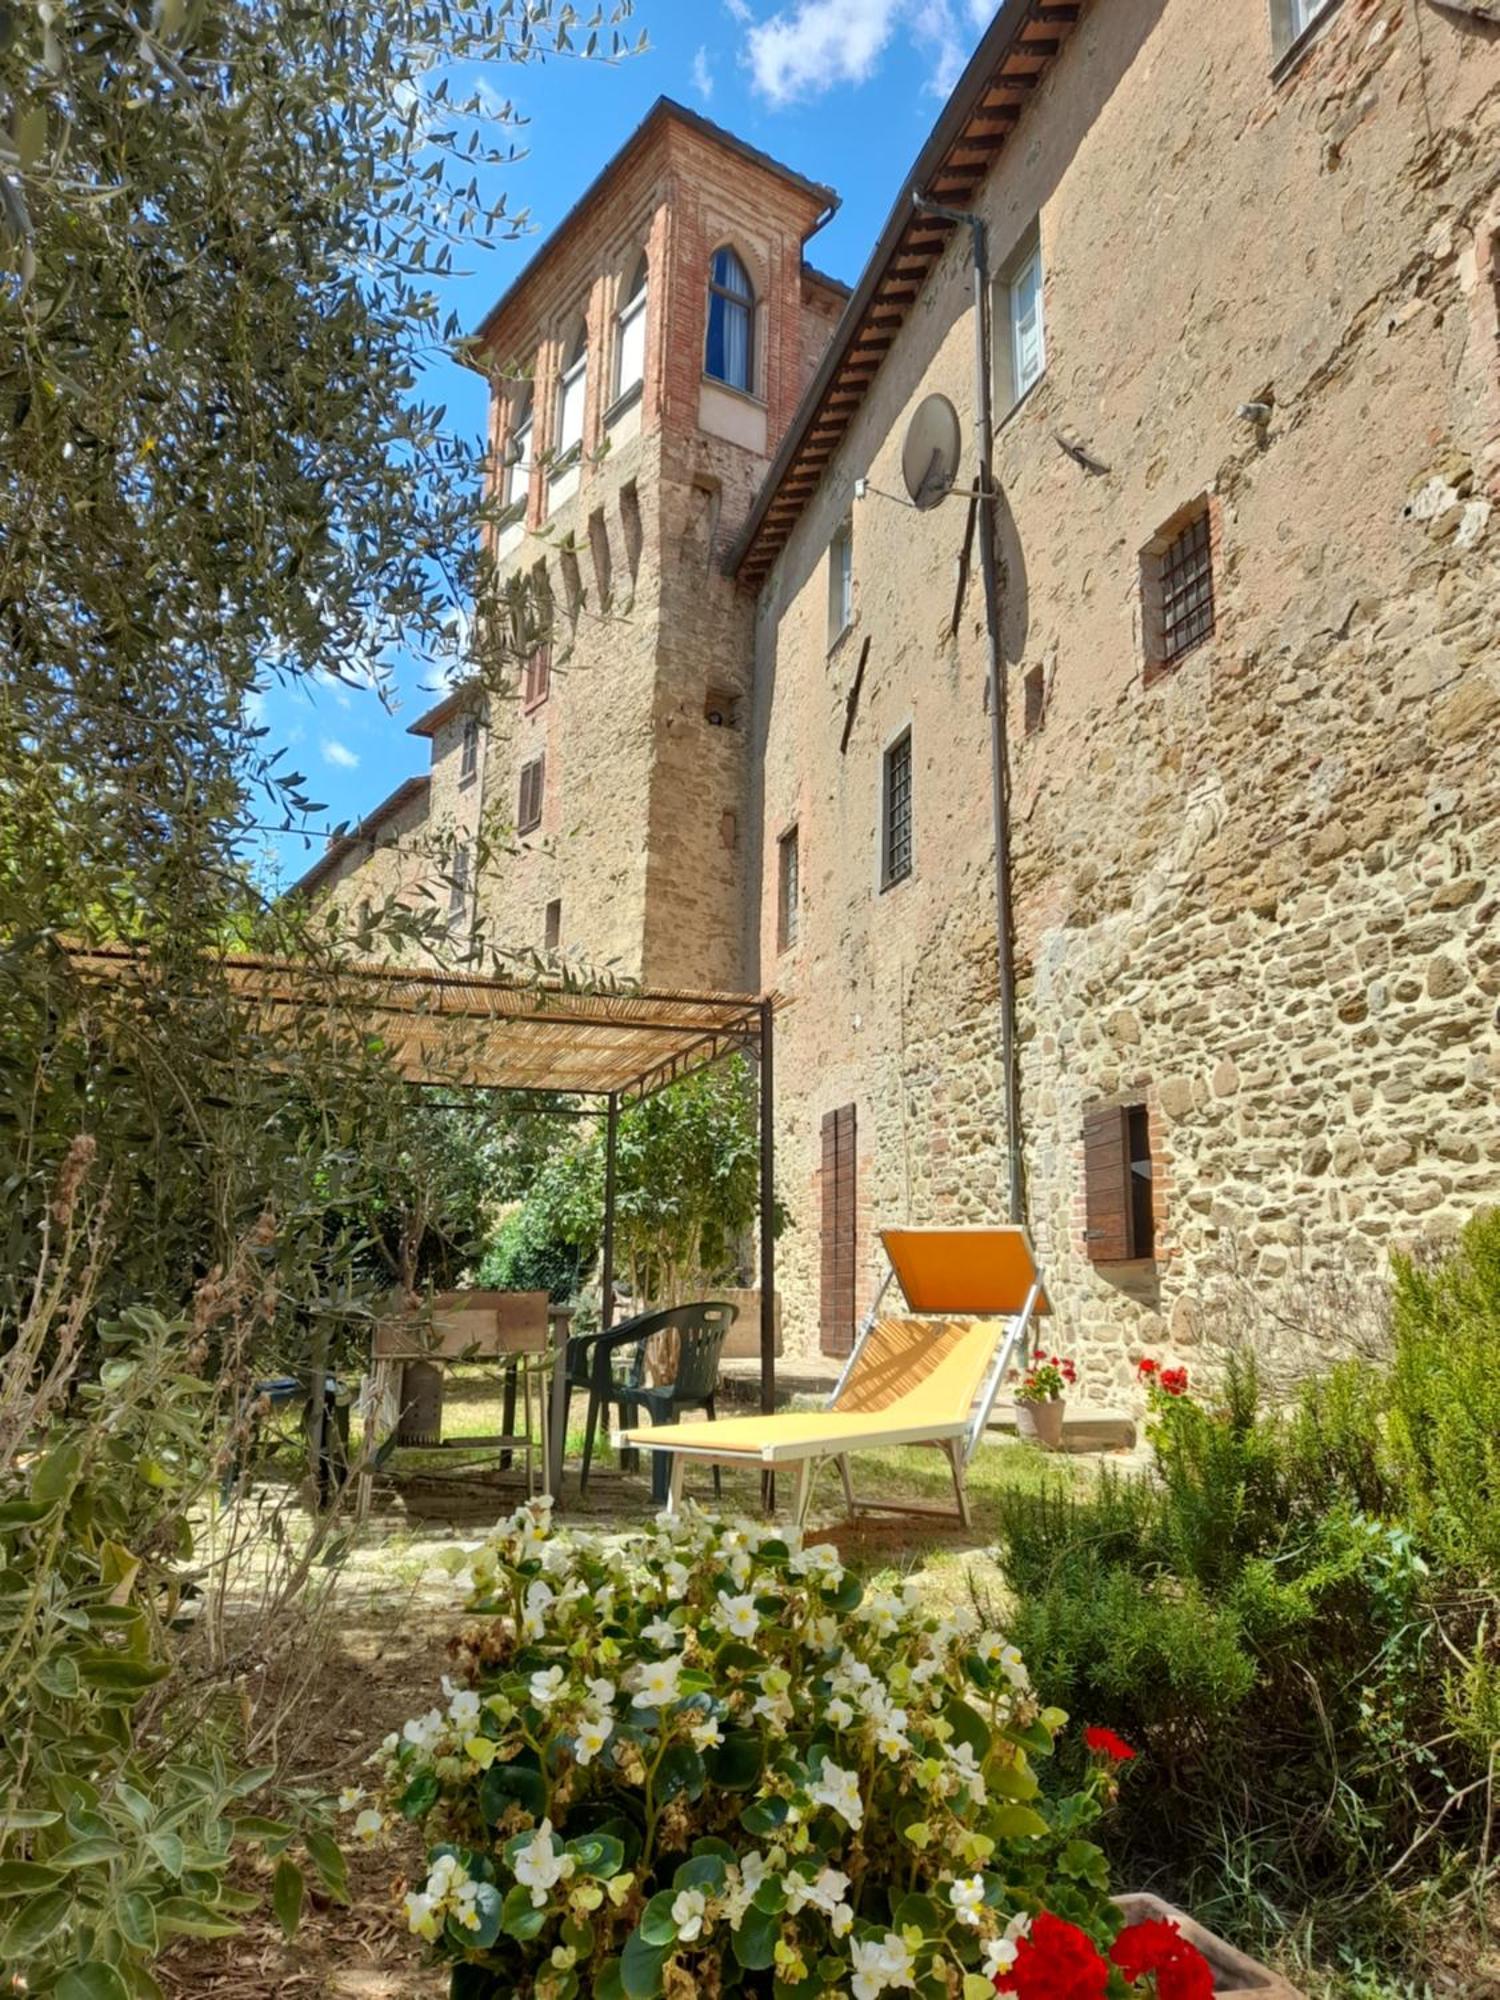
[[984, 439]]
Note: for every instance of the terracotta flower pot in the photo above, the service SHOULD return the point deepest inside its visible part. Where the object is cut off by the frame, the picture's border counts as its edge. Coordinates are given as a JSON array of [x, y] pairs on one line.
[[1236, 1977], [1041, 1423]]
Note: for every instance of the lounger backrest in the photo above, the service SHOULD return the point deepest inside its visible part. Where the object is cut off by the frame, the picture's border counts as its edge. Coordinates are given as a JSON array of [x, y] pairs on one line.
[[964, 1270], [930, 1368]]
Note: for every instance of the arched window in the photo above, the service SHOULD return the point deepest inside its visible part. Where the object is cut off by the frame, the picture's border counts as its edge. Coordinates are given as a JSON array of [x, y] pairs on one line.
[[518, 450], [731, 323], [630, 333], [571, 392]]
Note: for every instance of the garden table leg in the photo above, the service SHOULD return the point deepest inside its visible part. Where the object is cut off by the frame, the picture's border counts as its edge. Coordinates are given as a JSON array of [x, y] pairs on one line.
[[557, 1423]]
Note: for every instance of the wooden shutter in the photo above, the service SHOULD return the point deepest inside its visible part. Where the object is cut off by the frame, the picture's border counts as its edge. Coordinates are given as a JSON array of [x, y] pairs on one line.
[[840, 1230], [1106, 1184], [529, 807]]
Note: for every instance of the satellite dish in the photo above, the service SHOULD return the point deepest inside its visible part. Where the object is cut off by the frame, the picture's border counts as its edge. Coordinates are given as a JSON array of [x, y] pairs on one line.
[[929, 458]]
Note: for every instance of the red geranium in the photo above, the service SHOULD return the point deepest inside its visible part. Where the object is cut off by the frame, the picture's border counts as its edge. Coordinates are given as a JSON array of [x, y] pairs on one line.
[[1056, 1961], [1146, 1366], [1174, 1381], [1156, 1947], [1105, 1743]]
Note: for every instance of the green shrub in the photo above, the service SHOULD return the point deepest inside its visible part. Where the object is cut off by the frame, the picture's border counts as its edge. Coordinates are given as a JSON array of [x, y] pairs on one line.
[[706, 1759]]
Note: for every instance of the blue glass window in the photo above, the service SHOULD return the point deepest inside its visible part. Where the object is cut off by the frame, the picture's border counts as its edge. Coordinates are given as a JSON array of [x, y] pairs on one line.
[[731, 322]]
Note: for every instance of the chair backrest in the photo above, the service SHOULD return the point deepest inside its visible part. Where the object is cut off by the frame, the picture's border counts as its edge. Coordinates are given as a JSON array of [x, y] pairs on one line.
[[988, 1269], [933, 1368], [681, 1346]]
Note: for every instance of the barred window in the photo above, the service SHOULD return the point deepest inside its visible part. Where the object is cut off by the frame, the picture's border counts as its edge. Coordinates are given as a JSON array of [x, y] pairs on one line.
[[896, 831], [1177, 588], [458, 888]]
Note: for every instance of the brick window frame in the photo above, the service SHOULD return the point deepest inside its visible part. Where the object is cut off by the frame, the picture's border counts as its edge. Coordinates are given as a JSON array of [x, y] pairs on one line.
[[1121, 1184], [897, 814], [529, 803], [1179, 571], [536, 677]]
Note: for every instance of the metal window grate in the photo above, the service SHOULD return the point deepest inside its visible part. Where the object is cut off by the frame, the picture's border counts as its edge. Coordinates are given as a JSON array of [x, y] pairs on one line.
[[897, 844], [1186, 584]]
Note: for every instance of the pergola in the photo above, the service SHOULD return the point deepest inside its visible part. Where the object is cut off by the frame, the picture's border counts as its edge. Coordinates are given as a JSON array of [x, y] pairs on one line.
[[441, 1029]]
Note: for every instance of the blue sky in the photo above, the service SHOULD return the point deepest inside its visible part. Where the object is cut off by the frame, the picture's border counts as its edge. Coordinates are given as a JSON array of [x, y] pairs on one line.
[[843, 90]]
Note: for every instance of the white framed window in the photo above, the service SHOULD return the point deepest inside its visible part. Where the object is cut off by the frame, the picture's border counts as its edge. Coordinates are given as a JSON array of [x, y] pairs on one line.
[[572, 393], [730, 356], [630, 333], [468, 760], [1023, 285], [1291, 19], [518, 450], [841, 580]]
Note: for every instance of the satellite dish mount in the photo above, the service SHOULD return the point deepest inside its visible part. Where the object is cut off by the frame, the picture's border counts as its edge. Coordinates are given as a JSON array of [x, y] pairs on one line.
[[930, 455]]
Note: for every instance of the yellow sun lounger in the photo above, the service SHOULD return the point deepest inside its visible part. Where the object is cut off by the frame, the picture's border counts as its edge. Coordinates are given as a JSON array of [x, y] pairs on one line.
[[929, 1380]]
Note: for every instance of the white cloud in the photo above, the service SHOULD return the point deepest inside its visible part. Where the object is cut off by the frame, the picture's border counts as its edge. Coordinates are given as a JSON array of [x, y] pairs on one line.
[[340, 754], [819, 44], [703, 75], [739, 10], [816, 45]]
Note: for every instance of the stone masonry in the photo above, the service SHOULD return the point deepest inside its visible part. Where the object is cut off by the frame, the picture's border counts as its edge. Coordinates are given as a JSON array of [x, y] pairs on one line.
[[1259, 894]]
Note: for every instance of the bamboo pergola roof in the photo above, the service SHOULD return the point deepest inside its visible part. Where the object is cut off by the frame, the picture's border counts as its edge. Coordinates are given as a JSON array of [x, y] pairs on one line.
[[459, 1029]]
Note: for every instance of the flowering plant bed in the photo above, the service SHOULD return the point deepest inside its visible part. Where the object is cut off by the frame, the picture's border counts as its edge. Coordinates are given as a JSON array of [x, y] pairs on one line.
[[707, 1759]]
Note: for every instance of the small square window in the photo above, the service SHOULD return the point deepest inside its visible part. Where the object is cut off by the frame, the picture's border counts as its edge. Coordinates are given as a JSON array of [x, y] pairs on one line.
[[1019, 320], [529, 806], [552, 925], [896, 818], [1177, 588], [788, 889], [468, 762], [841, 581], [721, 709]]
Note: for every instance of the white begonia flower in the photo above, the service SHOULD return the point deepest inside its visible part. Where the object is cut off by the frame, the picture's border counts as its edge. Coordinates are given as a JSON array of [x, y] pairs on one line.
[[656, 1683], [839, 1713], [775, 1705], [540, 1867], [841, 1920], [823, 1632], [539, 1600], [740, 1885], [881, 1611], [965, 1767], [369, 1825], [890, 1740], [738, 1616], [545, 1686], [706, 1735], [879, 1963], [819, 1559], [740, 1567], [350, 1797], [601, 1693], [675, 1576], [593, 1733], [1000, 1955], [663, 1633], [967, 1897], [839, 1790], [463, 1711], [422, 1918], [688, 1910], [425, 1731]]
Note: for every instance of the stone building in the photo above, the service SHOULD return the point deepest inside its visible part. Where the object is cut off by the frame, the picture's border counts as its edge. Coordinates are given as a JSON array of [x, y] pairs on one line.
[[1245, 367]]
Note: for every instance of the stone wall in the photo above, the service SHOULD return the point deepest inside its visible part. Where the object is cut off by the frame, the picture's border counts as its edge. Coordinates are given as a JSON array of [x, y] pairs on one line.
[[1260, 894]]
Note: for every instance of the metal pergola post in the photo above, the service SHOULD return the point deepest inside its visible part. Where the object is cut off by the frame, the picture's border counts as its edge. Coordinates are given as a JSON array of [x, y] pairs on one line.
[[611, 1152], [767, 1228]]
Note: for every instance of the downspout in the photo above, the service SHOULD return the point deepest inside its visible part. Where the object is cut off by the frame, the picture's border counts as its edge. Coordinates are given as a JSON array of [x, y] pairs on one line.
[[987, 495]]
